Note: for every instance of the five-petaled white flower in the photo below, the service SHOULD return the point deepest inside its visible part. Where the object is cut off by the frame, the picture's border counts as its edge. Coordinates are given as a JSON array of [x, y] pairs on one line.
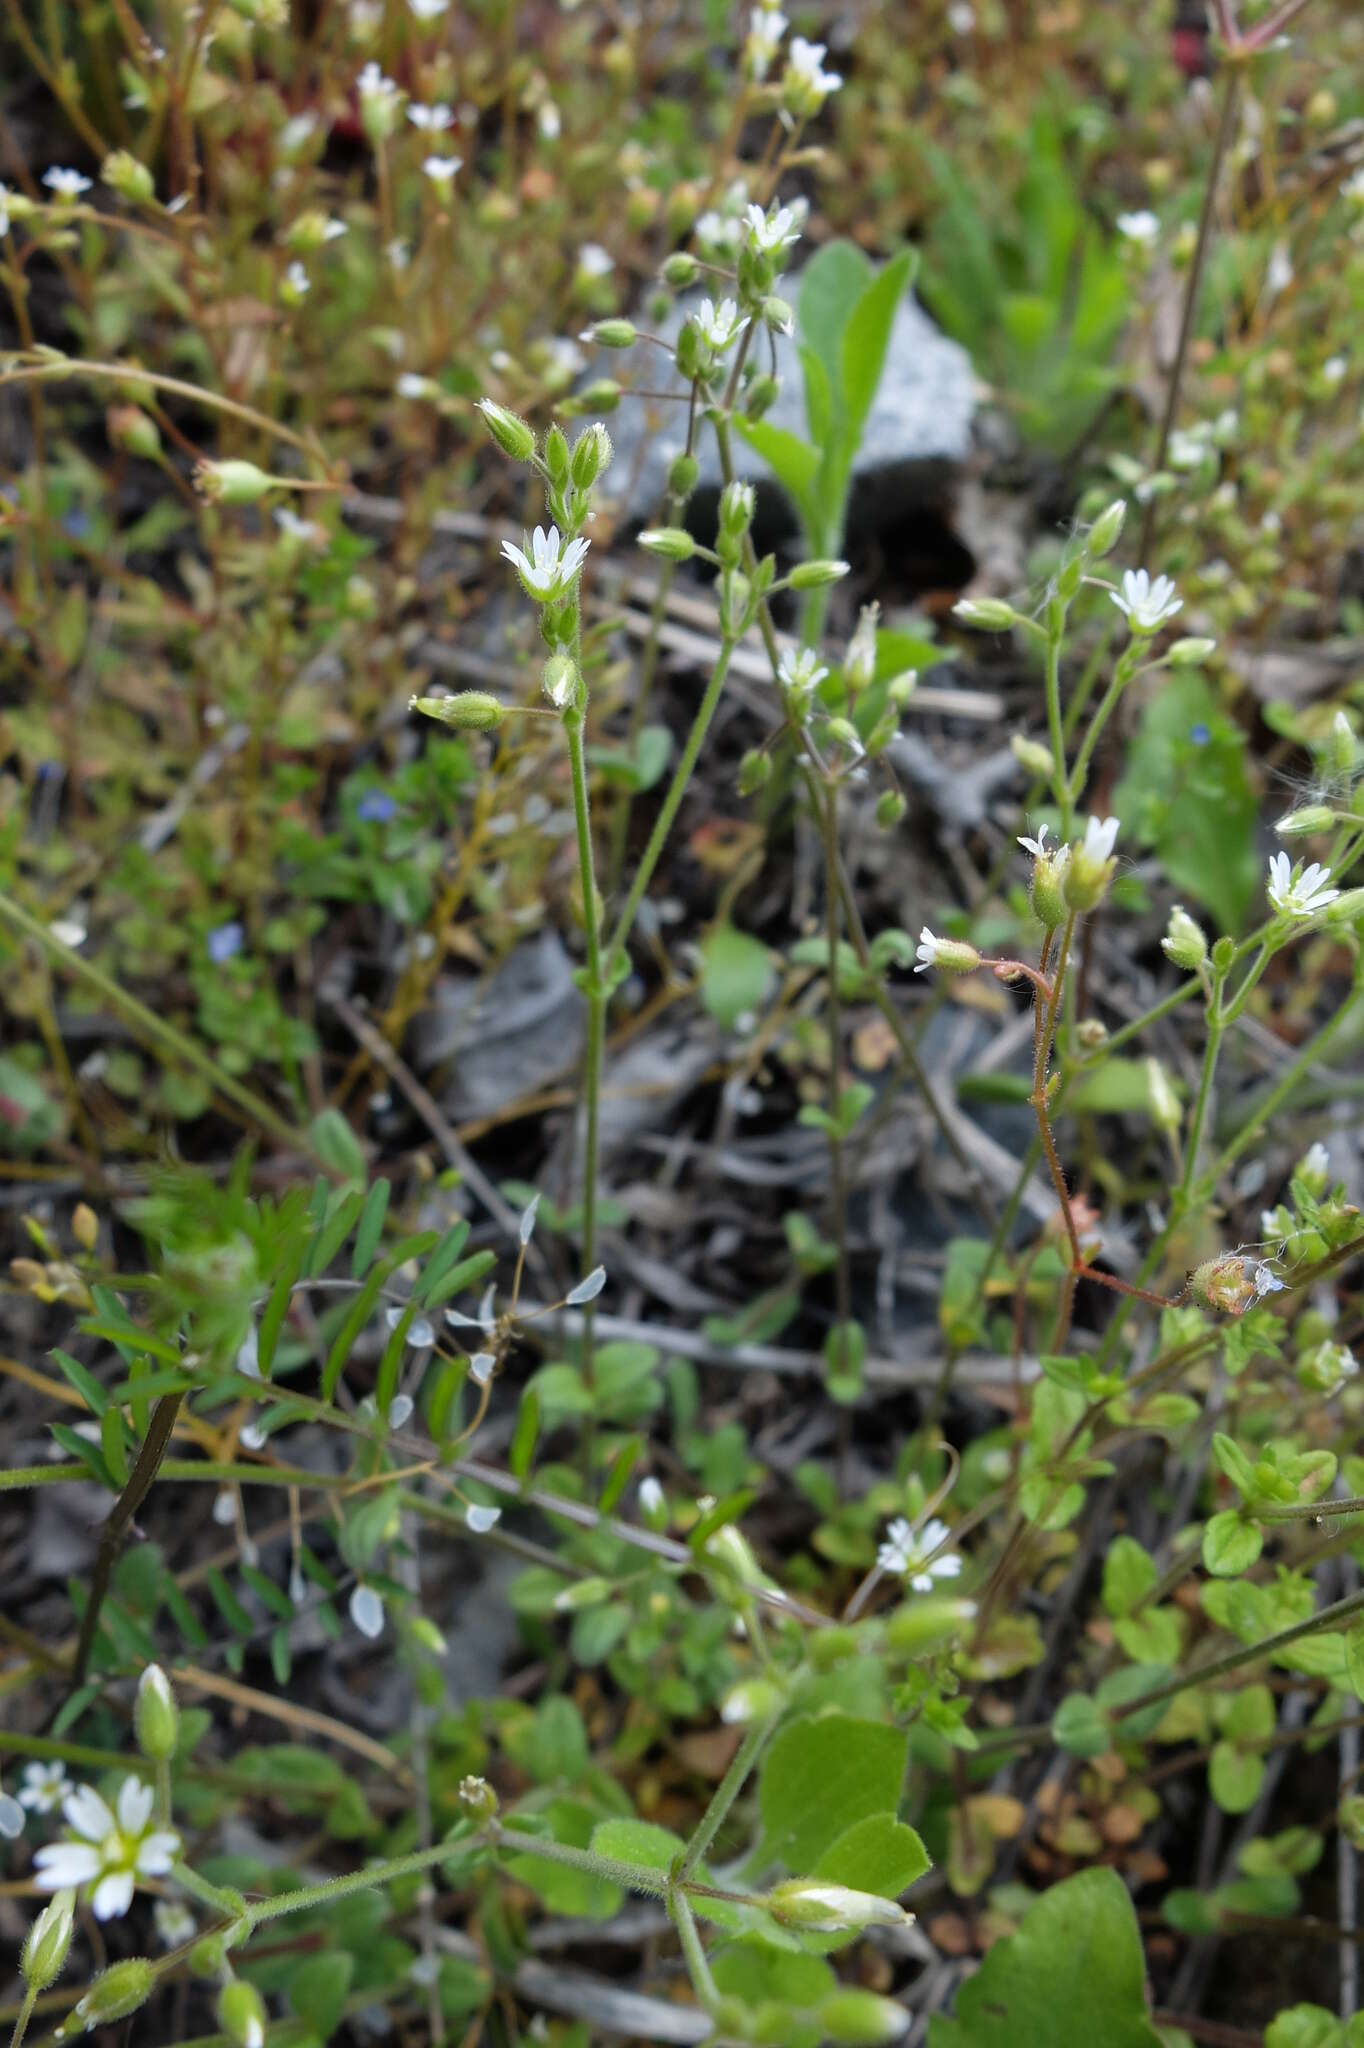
[[1036, 847], [431, 120], [927, 953], [1146, 604], [66, 184], [1140, 227], [772, 232], [441, 170], [111, 1850], [800, 674], [549, 569], [910, 1556], [1100, 837], [1302, 895], [44, 1787], [720, 325], [807, 84]]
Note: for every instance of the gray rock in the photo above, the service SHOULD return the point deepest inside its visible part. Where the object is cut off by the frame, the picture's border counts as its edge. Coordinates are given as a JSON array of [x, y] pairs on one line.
[[508, 1036], [919, 429]]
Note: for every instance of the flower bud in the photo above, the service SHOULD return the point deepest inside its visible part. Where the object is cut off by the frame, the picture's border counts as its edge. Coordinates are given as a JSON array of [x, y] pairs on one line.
[[312, 231], [49, 1942], [85, 1226], [737, 502], [130, 428], [556, 455], [729, 1547], [116, 1992], [1091, 866], [1184, 942], [603, 396], [1048, 887], [736, 594], [891, 806], [1103, 534], [1347, 909], [478, 1798], [901, 688], [682, 476], [777, 315], [755, 772], [241, 2014], [762, 395], [582, 1593], [922, 1626], [468, 710], [156, 1718], [862, 2019], [673, 543], [561, 680], [681, 270], [513, 435], [1326, 1367], [591, 455], [1166, 1113], [814, 575], [1311, 818], [1190, 652], [232, 482], [830, 1908], [132, 181], [753, 1699], [991, 614], [1344, 745], [612, 333], [1031, 755]]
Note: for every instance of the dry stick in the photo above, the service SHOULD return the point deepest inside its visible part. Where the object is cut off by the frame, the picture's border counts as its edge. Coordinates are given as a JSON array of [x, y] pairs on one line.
[[139, 1485]]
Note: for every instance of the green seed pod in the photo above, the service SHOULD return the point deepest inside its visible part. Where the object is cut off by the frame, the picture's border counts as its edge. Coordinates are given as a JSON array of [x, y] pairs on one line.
[[681, 270], [762, 394], [467, 710], [613, 334], [591, 455], [1191, 652], [682, 476], [603, 396], [130, 428], [232, 482], [116, 1992], [830, 1908], [990, 614], [673, 543], [891, 806], [1103, 534], [1184, 942], [557, 460], [1301, 823], [755, 771]]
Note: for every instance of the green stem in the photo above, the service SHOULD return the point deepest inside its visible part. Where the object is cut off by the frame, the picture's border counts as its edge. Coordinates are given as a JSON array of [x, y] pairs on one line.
[[725, 1794], [672, 801], [25, 2015], [138, 1486], [1122, 676], [163, 1792], [210, 1895], [620, 822], [1059, 780], [837, 1177], [635, 1877], [596, 1009], [693, 1954], [165, 1037], [1253, 1653]]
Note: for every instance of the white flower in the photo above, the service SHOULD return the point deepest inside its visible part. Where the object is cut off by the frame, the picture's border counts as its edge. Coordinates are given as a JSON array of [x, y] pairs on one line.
[[1139, 227], [807, 84], [904, 1554], [111, 1850], [719, 230], [481, 1519], [332, 230], [1316, 1160], [419, 1331], [800, 674], [1146, 604], [651, 1497], [297, 283], [1353, 188], [44, 1787], [961, 17], [549, 120], [1278, 270], [1036, 847], [367, 1611], [1302, 896], [295, 133], [594, 261], [431, 120], [548, 570], [772, 232], [69, 931], [1100, 837], [175, 1924], [719, 325], [927, 954], [765, 31], [1335, 368], [441, 169], [308, 531], [428, 10], [67, 185]]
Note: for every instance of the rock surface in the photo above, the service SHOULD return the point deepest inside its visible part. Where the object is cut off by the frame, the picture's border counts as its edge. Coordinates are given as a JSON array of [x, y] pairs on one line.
[[919, 429]]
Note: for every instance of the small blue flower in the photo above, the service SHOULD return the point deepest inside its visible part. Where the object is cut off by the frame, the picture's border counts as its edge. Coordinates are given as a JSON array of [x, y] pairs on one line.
[[1200, 734], [376, 807], [224, 943]]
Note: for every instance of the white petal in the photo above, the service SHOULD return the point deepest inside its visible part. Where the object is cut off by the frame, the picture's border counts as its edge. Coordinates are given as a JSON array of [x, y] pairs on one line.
[[587, 1289], [367, 1611], [67, 1863], [481, 1519], [158, 1853], [526, 1226], [11, 1817], [400, 1411], [481, 1367], [134, 1805], [113, 1895], [88, 1814]]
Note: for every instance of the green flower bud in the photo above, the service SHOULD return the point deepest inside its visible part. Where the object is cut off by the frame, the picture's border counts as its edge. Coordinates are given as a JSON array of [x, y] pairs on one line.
[[1184, 942], [755, 771], [312, 231], [156, 1718], [814, 575], [603, 396], [1071, 572], [1347, 908], [49, 1942], [232, 482], [1048, 887], [1190, 652], [752, 1699], [891, 806], [777, 315], [612, 333], [557, 456], [241, 2014], [116, 1992], [682, 476], [730, 1548], [673, 543], [513, 436], [681, 270], [862, 2019], [737, 503], [582, 1593], [208, 1957], [1326, 1367], [901, 688], [845, 732], [1311, 818], [1103, 535], [1223, 955], [591, 455], [1031, 755], [122, 172], [762, 394], [467, 710], [954, 956], [362, 599], [1344, 745], [736, 594], [1091, 866], [830, 1908], [130, 428], [562, 683], [1166, 1113], [478, 1798], [990, 614], [923, 1626]]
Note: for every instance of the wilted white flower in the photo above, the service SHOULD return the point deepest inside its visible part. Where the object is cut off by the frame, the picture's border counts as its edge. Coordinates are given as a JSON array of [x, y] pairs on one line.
[[481, 1367], [431, 120], [111, 1850], [927, 953], [1302, 896], [720, 325], [1267, 1282], [441, 170], [67, 185], [44, 1786], [1099, 840], [1140, 227], [806, 84], [772, 232], [419, 1331], [1036, 847], [367, 1611], [904, 1554], [1145, 604], [765, 31], [547, 572]]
